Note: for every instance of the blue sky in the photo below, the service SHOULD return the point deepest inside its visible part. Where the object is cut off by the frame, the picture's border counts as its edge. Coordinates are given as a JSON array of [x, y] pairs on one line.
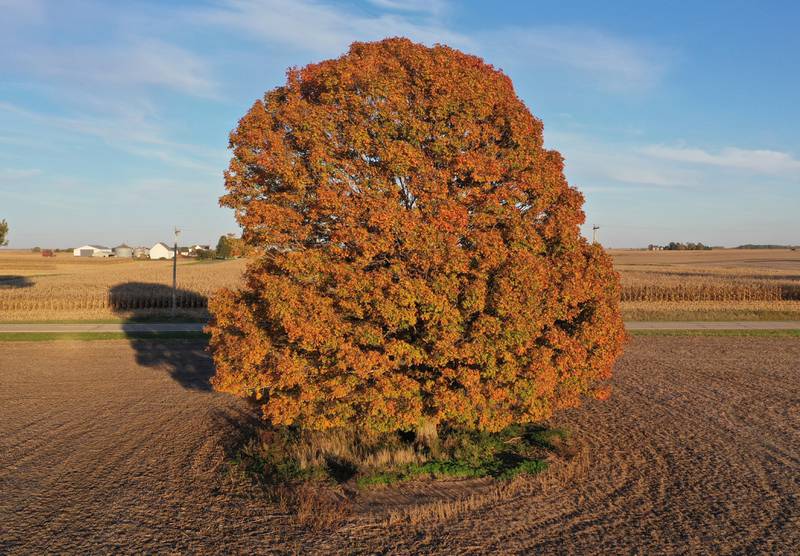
[[677, 120]]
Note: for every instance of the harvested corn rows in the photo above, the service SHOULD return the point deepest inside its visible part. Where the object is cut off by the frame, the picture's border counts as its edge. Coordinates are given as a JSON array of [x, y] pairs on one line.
[[68, 288], [689, 283]]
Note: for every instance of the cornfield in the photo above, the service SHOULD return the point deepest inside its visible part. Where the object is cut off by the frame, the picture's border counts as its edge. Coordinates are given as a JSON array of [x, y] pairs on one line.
[[127, 301], [719, 291], [33, 288], [714, 285], [710, 284]]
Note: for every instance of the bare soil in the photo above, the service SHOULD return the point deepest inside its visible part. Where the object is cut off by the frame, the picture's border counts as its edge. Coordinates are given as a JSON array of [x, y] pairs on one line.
[[117, 446]]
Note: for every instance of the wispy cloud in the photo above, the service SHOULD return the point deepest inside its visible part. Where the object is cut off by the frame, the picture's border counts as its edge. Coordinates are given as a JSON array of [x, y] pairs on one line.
[[323, 28], [755, 160], [135, 62], [129, 131], [611, 62], [22, 11], [18, 173], [601, 59], [427, 6], [594, 162]]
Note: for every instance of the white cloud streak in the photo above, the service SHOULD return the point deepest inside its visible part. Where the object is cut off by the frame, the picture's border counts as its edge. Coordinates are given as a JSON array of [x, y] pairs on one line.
[[18, 174], [137, 62], [611, 63], [593, 163], [597, 163], [614, 64], [322, 28], [755, 160], [130, 132], [425, 6], [22, 11]]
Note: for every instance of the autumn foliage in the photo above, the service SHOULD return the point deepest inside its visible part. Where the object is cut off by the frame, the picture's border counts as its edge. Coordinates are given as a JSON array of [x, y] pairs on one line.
[[422, 261]]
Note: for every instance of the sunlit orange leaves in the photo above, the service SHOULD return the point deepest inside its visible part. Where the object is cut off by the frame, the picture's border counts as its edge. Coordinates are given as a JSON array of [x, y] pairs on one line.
[[420, 256]]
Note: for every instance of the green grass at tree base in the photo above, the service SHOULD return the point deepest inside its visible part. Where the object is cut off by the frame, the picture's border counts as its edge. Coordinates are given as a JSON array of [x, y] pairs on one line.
[[503, 455]]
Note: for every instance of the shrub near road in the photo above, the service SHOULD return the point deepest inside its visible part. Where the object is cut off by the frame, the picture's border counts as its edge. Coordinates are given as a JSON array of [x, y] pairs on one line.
[[423, 264]]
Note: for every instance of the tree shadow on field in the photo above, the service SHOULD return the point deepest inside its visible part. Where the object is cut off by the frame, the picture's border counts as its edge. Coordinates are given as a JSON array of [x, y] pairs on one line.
[[160, 341], [10, 282]]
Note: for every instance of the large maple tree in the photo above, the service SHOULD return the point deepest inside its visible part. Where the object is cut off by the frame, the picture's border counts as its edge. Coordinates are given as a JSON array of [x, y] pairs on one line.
[[420, 259]]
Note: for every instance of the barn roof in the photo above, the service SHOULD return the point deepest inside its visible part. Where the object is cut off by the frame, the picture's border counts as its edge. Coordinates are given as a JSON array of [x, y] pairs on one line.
[[123, 246], [162, 244]]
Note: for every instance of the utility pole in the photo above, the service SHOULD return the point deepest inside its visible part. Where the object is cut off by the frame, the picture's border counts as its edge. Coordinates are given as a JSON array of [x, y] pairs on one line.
[[594, 233], [175, 272]]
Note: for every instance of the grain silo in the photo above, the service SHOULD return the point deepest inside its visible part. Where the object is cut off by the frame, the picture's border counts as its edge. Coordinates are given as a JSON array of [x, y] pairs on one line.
[[123, 251]]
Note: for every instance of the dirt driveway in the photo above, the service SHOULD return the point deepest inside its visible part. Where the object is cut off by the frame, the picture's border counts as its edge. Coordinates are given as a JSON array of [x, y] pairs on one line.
[[111, 446]]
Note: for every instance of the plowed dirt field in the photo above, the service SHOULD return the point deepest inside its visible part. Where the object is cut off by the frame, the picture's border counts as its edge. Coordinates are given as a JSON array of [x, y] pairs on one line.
[[117, 446]]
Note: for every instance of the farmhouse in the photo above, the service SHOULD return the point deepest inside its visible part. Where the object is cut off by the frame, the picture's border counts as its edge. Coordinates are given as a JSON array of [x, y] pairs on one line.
[[92, 251], [161, 251], [193, 249]]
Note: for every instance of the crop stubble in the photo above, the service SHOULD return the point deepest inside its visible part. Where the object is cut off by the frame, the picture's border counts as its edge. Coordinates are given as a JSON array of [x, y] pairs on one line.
[[119, 447]]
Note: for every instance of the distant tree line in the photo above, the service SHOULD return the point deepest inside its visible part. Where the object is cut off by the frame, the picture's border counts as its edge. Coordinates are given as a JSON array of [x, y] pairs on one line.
[[206, 253], [231, 247], [228, 247], [764, 246], [65, 250], [673, 246]]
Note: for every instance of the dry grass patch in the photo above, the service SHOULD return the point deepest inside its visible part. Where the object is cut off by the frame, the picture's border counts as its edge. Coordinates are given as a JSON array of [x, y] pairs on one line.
[[562, 470], [323, 477]]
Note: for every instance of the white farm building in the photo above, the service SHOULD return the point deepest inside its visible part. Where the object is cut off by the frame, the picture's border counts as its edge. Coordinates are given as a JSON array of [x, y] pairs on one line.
[[161, 251], [194, 249], [92, 251]]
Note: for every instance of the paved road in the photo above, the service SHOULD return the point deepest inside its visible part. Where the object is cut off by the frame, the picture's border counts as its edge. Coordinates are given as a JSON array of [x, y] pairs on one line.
[[108, 327], [197, 327], [714, 325]]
